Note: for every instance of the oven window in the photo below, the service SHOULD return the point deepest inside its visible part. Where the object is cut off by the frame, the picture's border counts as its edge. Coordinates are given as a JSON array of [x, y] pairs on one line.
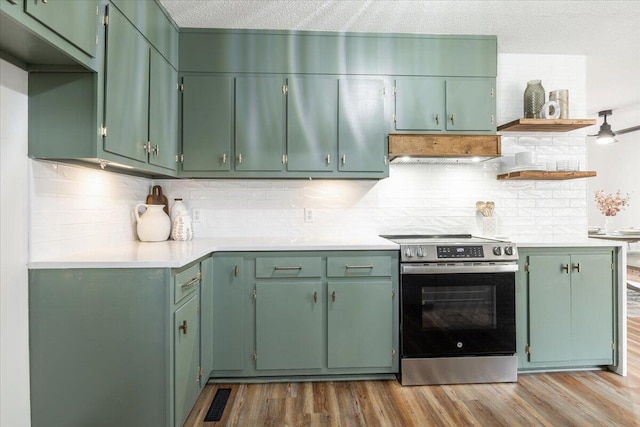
[[458, 307]]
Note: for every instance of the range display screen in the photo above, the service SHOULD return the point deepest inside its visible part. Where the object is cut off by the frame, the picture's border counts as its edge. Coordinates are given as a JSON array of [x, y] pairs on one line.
[[460, 251]]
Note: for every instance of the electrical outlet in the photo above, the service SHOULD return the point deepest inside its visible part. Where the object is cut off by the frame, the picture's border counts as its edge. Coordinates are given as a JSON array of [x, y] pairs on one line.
[[197, 215], [308, 215]]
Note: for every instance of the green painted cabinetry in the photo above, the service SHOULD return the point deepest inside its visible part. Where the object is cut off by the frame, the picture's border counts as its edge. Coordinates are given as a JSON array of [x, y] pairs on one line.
[[58, 15], [566, 308], [124, 339], [454, 104], [306, 313]]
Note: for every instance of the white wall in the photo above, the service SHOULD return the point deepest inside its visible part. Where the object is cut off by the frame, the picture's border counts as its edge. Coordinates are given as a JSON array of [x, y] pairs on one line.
[[14, 213]]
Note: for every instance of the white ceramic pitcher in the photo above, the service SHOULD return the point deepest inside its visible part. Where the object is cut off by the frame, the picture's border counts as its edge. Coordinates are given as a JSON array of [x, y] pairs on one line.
[[154, 225]]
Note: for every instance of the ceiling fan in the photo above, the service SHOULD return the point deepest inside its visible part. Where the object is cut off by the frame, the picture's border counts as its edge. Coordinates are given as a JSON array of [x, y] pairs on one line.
[[605, 135]]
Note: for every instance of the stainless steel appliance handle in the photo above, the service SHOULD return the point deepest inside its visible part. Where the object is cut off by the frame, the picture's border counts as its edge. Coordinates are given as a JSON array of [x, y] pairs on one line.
[[450, 269]]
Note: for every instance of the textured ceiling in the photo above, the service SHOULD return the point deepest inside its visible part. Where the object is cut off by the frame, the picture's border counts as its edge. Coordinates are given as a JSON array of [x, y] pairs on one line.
[[600, 28]]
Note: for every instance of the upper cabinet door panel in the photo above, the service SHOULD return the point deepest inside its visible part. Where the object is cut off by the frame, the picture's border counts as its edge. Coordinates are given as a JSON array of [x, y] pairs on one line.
[[207, 121], [312, 127], [470, 104], [126, 89], [76, 21], [260, 123], [163, 112], [420, 103], [361, 127]]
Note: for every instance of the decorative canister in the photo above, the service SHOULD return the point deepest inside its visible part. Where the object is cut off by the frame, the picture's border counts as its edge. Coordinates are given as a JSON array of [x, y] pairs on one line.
[[182, 227], [154, 224], [534, 96], [562, 96], [177, 207]]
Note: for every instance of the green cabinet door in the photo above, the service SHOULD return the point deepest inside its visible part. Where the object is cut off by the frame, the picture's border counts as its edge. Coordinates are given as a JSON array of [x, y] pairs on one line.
[[228, 313], [186, 358], [420, 104], [361, 127], [470, 104], [312, 127], [549, 308], [206, 320], [126, 89], [76, 21], [359, 324], [289, 325], [207, 122], [260, 123], [592, 306], [163, 112]]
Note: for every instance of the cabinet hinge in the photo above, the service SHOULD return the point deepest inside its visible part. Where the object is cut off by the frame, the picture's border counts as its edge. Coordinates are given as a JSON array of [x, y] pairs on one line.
[[526, 267], [393, 353], [385, 159], [199, 373], [395, 90], [285, 89], [105, 19], [612, 267], [182, 158], [255, 296], [527, 349], [103, 131], [384, 91], [285, 159], [492, 92], [97, 40], [394, 117], [254, 357], [493, 119], [181, 87], [393, 293], [613, 345]]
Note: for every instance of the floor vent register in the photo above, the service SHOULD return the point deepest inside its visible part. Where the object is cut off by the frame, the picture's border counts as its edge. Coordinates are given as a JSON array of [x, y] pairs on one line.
[[217, 406]]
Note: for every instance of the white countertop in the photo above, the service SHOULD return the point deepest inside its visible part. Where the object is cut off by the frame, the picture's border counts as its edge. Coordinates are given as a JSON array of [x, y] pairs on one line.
[[172, 254]]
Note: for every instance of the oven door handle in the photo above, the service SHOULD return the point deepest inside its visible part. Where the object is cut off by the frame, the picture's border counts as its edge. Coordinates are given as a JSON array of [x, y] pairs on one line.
[[457, 269]]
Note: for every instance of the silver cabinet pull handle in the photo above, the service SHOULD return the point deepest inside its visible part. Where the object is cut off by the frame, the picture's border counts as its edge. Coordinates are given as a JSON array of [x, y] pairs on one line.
[[156, 150], [437, 118], [451, 118], [224, 158], [276, 268], [344, 159], [315, 296], [577, 267], [239, 158], [333, 296], [191, 282], [236, 271], [183, 327], [359, 266], [328, 159], [565, 267]]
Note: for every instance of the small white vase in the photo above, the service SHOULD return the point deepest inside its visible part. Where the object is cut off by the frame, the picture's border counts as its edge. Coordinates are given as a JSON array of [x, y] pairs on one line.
[[154, 224], [608, 225]]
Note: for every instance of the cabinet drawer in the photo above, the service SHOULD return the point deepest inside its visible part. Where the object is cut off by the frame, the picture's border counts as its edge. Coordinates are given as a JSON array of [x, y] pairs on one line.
[[354, 266], [186, 282], [289, 267]]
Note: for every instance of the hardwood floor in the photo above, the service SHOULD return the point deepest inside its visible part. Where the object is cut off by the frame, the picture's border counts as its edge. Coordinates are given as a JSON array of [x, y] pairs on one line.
[[591, 398]]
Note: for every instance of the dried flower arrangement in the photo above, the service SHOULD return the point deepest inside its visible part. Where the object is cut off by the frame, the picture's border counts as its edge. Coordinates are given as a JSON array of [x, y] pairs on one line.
[[612, 203]]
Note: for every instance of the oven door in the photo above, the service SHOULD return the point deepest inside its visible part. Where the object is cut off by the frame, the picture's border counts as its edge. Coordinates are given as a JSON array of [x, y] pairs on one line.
[[446, 312]]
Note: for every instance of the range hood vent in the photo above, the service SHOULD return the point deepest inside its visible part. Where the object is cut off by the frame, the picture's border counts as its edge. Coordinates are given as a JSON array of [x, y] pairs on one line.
[[443, 148]]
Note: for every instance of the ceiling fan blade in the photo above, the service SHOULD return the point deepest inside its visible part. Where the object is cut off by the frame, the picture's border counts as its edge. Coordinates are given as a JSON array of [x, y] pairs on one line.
[[627, 130]]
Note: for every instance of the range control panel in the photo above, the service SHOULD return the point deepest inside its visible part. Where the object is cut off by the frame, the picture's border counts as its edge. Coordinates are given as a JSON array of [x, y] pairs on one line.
[[498, 251], [460, 251]]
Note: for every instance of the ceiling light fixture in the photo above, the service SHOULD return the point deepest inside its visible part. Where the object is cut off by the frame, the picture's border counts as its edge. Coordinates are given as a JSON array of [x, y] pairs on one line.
[[605, 135]]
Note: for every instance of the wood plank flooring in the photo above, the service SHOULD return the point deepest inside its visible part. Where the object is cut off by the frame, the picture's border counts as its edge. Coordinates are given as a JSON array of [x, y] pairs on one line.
[[590, 398]]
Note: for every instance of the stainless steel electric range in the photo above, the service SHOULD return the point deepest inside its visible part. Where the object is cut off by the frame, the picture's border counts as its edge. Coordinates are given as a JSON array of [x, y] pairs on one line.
[[457, 314]]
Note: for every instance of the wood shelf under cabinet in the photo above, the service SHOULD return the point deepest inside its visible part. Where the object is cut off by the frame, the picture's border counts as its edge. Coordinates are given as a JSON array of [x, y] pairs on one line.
[[545, 125], [546, 175]]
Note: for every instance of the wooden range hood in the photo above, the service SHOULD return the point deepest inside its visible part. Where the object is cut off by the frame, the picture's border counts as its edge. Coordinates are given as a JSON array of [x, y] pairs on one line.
[[443, 148]]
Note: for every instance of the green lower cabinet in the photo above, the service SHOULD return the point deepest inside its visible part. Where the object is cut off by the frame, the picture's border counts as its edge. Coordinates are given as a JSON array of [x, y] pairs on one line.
[[566, 305], [228, 314], [186, 358], [359, 324], [289, 325]]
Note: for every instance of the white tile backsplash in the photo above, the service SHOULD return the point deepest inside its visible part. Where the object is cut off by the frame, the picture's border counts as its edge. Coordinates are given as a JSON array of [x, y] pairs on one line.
[[74, 207]]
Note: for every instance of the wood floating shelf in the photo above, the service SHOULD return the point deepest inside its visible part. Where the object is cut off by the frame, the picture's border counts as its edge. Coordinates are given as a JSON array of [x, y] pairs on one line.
[[546, 175], [545, 125]]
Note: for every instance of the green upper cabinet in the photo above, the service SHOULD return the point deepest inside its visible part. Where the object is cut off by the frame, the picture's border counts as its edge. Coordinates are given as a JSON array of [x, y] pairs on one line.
[[445, 104], [260, 123], [126, 89], [361, 127], [163, 112], [141, 97], [207, 123], [471, 104], [312, 128], [74, 20]]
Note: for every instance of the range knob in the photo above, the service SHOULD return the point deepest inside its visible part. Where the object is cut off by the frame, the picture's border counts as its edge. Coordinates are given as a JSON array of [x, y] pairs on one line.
[[497, 250], [408, 252], [420, 252], [508, 250]]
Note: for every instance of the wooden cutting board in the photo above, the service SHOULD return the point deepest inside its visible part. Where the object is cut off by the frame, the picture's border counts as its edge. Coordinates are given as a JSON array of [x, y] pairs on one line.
[[157, 198]]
